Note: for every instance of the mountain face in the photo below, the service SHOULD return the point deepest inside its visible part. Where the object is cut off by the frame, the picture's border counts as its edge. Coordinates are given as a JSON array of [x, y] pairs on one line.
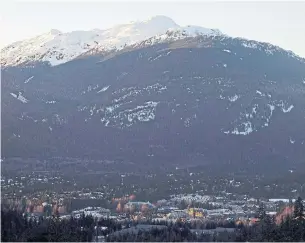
[[182, 96]]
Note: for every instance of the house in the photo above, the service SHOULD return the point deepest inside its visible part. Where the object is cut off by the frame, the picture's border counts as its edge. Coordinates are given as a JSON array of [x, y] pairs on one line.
[[178, 214], [197, 212]]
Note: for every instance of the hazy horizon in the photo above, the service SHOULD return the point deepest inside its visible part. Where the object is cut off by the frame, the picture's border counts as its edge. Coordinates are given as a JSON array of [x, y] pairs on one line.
[[279, 23]]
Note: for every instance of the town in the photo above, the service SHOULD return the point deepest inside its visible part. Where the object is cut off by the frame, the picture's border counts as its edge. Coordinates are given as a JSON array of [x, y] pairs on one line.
[[156, 198], [196, 206], [186, 207]]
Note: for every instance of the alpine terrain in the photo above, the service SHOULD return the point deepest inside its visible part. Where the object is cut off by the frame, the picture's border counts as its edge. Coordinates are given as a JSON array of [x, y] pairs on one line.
[[153, 92]]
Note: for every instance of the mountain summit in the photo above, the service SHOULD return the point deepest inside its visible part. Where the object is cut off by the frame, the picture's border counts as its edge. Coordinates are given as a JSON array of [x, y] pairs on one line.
[[56, 47]]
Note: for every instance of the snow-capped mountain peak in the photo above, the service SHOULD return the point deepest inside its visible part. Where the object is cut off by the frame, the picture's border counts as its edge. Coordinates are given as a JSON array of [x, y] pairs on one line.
[[54, 32], [160, 19], [57, 47]]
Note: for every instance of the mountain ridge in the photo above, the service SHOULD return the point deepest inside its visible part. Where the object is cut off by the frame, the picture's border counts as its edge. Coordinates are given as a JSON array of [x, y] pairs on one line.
[[57, 47]]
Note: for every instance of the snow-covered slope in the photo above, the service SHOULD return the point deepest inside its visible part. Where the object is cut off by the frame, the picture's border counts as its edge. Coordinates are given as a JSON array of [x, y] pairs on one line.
[[56, 47]]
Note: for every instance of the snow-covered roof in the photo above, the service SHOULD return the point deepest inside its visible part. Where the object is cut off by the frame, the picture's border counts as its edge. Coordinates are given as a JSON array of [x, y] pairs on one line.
[[280, 200]]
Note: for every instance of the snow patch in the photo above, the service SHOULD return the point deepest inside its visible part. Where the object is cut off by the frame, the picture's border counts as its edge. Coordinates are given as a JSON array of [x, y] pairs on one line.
[[28, 80], [188, 120], [103, 89], [247, 129], [234, 98], [20, 97], [127, 118], [142, 113], [159, 56], [110, 109], [288, 109], [249, 44], [254, 109], [260, 93], [272, 108], [283, 106]]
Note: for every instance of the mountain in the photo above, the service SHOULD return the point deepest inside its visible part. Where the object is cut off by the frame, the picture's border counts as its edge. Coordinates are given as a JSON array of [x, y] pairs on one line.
[[185, 96], [56, 47]]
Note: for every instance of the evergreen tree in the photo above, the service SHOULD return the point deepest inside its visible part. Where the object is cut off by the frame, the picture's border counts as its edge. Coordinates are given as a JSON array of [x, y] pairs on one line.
[[268, 226], [261, 213], [298, 208]]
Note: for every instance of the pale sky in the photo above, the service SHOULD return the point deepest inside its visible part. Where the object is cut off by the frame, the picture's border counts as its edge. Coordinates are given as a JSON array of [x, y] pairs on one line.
[[280, 23]]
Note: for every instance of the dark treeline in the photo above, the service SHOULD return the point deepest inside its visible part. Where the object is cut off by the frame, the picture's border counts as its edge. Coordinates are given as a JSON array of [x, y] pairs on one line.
[[17, 227], [291, 228]]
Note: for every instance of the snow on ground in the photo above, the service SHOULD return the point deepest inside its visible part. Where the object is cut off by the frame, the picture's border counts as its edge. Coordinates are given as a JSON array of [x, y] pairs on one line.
[[28, 80], [250, 44], [103, 89], [260, 93], [272, 108], [252, 120], [20, 97], [234, 98], [288, 109], [247, 129], [128, 117], [142, 113], [284, 106], [188, 121], [151, 59], [253, 112]]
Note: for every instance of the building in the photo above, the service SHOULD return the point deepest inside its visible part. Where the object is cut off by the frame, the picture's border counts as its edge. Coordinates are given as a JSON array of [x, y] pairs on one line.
[[197, 212], [178, 214], [139, 206], [96, 212], [166, 209]]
